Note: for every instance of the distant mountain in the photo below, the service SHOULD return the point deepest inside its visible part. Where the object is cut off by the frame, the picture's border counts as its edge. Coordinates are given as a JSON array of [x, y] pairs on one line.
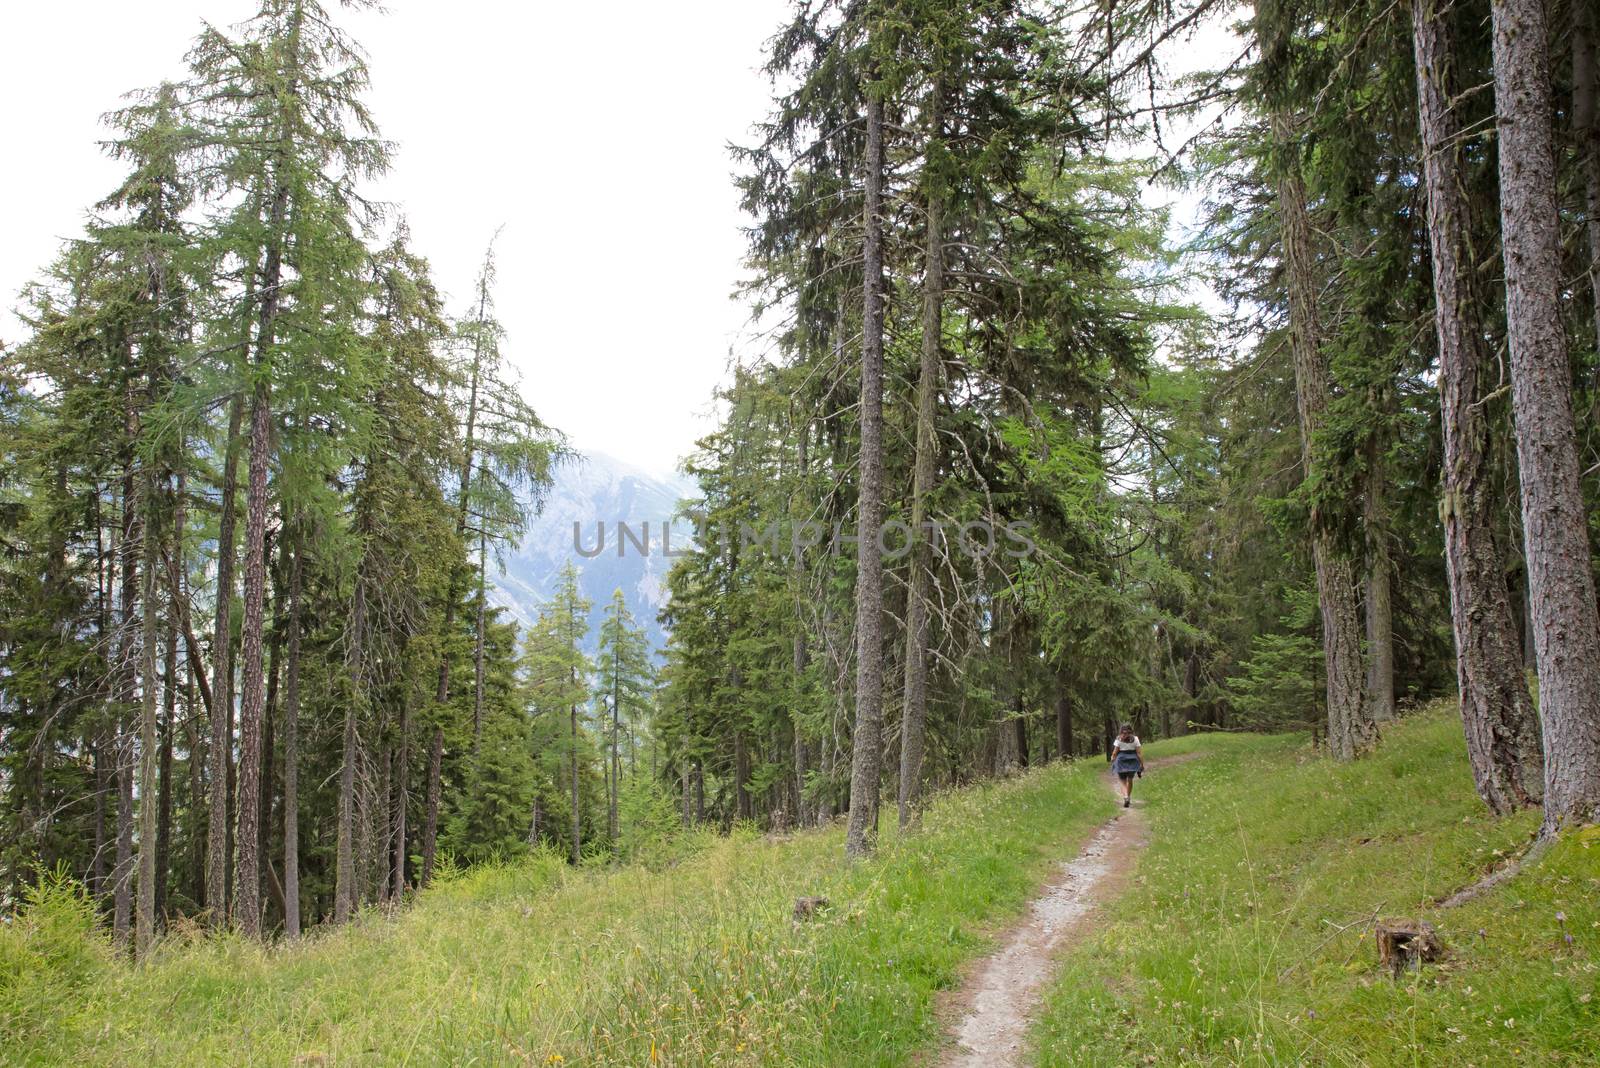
[[588, 491]]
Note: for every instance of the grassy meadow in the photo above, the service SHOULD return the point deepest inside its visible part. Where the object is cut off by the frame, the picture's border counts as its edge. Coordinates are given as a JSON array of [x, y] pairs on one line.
[[695, 963], [1244, 939], [1247, 936]]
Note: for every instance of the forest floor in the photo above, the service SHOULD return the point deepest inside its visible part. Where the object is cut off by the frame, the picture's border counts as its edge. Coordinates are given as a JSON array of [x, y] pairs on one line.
[[994, 1007], [1241, 934]]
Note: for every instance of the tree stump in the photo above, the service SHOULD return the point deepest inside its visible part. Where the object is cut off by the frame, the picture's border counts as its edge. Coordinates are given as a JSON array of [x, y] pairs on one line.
[[1402, 946]]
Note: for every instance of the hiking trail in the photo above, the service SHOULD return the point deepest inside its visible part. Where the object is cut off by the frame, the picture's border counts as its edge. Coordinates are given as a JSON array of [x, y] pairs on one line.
[[993, 1008]]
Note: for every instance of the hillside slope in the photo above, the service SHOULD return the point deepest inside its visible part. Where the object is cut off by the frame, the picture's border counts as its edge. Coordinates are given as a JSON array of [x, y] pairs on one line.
[[1244, 939], [1248, 936]]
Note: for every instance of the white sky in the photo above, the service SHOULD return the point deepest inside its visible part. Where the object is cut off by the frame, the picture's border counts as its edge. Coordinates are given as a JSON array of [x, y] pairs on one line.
[[595, 133]]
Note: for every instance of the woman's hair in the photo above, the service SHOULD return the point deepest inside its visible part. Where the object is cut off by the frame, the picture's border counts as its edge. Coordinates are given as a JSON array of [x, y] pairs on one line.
[[1127, 730]]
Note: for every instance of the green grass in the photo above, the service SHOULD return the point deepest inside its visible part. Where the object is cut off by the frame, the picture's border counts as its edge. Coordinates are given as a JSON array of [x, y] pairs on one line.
[[537, 963], [1247, 937]]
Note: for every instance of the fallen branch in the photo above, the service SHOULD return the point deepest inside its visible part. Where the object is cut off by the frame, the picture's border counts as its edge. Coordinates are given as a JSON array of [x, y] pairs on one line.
[[1509, 870]]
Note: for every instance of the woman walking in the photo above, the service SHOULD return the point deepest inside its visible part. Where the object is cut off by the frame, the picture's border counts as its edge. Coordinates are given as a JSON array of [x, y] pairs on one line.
[[1128, 761]]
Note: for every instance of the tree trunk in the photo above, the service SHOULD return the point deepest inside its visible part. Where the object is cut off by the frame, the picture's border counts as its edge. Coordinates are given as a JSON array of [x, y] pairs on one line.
[[1350, 727], [477, 644], [169, 712], [291, 747], [699, 791], [1586, 133], [1380, 611], [122, 896], [402, 788], [1566, 626], [430, 827], [688, 793], [194, 736], [273, 712], [169, 716], [104, 770], [1063, 724], [1496, 710], [145, 915], [344, 891], [577, 818], [867, 738], [247, 879], [104, 776], [221, 755], [914, 721], [616, 739]]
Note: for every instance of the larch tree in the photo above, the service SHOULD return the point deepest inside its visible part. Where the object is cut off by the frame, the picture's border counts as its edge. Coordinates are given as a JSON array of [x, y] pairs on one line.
[[623, 685], [1496, 710], [1350, 726], [1563, 615], [283, 125]]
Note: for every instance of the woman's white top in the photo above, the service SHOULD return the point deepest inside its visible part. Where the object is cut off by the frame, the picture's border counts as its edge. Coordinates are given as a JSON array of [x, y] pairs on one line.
[[1126, 747]]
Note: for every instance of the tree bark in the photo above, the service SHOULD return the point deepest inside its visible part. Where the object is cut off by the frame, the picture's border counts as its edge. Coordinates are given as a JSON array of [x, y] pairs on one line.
[[145, 914], [1566, 626], [1350, 727], [122, 895], [430, 828], [577, 817], [1496, 710], [402, 788], [867, 738], [688, 793], [1586, 133], [169, 714], [699, 791], [291, 746], [914, 721], [127, 553], [741, 776], [247, 884], [1063, 724], [344, 892], [104, 771], [221, 754], [478, 641], [794, 724], [1380, 610], [247, 879], [614, 821]]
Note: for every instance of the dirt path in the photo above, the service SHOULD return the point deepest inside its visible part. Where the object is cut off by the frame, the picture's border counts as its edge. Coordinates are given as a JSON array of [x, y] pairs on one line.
[[994, 1007]]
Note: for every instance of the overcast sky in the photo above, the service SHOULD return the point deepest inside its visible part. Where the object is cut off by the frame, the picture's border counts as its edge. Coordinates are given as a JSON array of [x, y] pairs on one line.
[[595, 133]]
